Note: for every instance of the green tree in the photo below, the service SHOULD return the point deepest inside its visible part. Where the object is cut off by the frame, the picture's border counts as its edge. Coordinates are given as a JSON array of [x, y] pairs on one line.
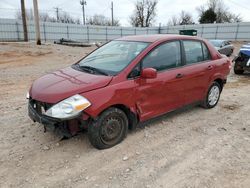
[[209, 16], [220, 9]]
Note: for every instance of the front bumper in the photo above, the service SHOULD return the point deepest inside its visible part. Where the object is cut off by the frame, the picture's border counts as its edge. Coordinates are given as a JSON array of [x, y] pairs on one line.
[[64, 128], [49, 123]]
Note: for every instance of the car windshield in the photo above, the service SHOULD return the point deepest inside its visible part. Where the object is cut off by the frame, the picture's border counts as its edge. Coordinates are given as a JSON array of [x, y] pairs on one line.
[[111, 58], [216, 43]]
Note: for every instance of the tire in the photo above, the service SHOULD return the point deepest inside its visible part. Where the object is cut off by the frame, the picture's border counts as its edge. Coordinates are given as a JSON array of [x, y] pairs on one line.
[[230, 53], [237, 71], [213, 96], [109, 129]]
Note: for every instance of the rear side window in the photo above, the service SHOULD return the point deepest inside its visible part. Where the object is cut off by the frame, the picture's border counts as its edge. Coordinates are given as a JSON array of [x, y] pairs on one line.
[[163, 57], [193, 51]]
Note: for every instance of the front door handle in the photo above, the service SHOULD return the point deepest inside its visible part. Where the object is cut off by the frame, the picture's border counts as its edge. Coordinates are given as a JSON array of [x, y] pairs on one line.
[[179, 75], [210, 67]]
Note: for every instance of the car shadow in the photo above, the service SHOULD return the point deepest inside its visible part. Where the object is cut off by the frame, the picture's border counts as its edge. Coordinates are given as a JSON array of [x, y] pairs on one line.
[[83, 135], [246, 74]]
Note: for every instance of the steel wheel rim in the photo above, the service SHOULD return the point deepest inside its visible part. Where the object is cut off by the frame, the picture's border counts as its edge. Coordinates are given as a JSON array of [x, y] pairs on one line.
[[111, 130], [214, 95]]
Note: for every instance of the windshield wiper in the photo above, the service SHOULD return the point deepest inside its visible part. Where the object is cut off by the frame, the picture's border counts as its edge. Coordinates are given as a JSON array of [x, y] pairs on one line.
[[93, 70]]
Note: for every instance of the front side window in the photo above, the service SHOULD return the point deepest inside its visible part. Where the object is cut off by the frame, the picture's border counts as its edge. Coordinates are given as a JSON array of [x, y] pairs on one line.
[[163, 57], [113, 57], [193, 51]]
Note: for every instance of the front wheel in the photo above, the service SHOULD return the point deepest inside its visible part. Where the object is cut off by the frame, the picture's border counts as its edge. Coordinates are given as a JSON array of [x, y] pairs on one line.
[[109, 129], [213, 96]]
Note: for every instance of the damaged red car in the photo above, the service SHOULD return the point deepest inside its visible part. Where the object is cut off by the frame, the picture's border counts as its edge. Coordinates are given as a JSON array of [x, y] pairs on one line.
[[127, 81]]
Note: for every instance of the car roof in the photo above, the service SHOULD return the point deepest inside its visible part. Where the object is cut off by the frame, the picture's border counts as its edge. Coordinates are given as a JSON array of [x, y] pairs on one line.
[[156, 37]]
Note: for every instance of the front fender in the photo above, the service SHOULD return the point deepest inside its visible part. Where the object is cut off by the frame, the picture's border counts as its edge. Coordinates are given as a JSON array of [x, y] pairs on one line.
[[117, 94]]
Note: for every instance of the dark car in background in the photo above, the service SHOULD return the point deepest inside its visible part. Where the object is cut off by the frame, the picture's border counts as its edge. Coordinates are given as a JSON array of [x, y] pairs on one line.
[[242, 61], [223, 46]]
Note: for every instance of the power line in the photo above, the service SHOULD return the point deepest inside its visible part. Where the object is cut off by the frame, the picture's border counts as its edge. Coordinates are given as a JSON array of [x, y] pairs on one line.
[[57, 13], [37, 26], [83, 2], [25, 31], [239, 5], [112, 13]]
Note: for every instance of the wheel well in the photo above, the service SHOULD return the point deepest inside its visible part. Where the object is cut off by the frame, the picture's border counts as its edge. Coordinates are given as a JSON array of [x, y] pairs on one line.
[[132, 117], [220, 82]]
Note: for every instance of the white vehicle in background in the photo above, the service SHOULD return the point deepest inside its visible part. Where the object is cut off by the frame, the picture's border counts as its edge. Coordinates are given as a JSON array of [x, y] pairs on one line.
[[223, 46]]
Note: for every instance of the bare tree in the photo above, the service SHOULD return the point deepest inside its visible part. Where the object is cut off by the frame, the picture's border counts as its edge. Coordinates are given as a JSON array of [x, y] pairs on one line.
[[185, 18], [144, 14], [220, 9], [173, 21], [99, 19], [45, 17], [66, 18]]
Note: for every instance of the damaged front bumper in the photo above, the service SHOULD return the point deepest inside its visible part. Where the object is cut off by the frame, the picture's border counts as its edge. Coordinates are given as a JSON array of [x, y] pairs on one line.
[[63, 128]]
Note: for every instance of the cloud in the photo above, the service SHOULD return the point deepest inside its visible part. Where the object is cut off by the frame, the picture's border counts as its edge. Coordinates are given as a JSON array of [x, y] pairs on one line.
[[122, 8]]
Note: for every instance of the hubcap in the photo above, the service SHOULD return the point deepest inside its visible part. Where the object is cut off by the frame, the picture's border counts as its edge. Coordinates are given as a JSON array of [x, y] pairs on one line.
[[111, 130], [213, 96]]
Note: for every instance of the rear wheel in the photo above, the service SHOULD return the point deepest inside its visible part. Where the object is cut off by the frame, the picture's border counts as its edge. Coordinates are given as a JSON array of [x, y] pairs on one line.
[[109, 129], [213, 96], [238, 69]]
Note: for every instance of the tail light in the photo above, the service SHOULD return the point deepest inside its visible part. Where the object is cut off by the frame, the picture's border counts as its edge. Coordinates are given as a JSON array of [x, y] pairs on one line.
[[229, 62]]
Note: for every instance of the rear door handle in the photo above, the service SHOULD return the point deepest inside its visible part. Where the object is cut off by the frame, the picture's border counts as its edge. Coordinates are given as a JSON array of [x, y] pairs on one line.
[[179, 75], [210, 67]]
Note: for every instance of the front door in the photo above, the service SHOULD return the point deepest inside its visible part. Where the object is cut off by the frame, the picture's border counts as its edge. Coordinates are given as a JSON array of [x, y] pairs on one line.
[[165, 92]]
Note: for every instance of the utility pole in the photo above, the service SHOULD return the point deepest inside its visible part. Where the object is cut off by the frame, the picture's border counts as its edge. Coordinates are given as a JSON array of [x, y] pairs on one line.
[[83, 2], [36, 19], [25, 31], [112, 13], [57, 13]]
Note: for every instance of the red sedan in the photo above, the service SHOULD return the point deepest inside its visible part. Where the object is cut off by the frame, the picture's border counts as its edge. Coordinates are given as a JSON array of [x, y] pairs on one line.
[[127, 81]]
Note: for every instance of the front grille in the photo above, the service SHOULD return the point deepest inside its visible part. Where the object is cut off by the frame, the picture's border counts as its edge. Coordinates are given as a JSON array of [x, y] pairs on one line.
[[39, 107]]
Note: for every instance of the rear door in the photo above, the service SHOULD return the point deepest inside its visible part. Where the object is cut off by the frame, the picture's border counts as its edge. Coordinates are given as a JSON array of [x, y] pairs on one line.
[[197, 71], [164, 93]]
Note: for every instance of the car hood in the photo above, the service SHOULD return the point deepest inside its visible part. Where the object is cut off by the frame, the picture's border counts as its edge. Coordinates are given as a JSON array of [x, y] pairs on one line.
[[64, 83]]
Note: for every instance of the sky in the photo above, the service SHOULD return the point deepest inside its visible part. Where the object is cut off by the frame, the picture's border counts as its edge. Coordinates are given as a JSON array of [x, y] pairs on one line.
[[122, 8]]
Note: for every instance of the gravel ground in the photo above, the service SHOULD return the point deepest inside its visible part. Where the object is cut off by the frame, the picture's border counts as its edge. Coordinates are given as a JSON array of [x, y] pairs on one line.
[[192, 147]]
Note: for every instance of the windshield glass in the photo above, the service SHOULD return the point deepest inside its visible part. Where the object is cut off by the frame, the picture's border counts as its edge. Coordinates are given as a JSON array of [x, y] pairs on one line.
[[216, 43], [114, 56]]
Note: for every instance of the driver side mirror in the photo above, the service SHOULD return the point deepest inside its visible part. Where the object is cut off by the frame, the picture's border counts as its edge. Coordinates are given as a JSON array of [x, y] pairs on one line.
[[149, 73]]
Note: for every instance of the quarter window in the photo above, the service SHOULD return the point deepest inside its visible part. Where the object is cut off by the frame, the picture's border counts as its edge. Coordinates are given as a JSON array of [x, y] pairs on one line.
[[163, 57]]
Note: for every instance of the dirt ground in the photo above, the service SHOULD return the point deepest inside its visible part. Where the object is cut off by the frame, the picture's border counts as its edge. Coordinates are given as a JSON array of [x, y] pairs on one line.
[[189, 148]]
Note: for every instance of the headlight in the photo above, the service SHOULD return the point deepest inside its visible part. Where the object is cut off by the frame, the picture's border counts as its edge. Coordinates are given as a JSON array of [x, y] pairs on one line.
[[27, 95], [69, 107]]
